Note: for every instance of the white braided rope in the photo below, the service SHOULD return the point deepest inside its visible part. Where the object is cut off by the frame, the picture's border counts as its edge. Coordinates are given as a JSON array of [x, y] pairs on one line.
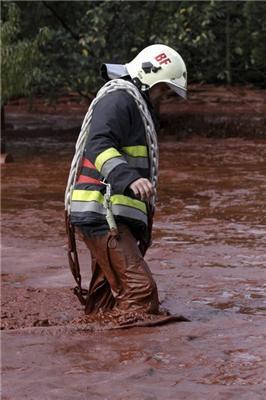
[[151, 137]]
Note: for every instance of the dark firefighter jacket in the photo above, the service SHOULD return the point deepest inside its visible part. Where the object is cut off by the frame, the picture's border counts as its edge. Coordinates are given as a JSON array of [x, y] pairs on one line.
[[116, 150]]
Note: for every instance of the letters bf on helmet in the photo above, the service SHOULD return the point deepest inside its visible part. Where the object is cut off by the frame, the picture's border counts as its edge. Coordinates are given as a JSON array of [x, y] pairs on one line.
[[154, 64]]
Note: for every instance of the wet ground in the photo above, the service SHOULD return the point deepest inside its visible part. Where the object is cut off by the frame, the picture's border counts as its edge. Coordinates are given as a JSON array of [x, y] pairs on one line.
[[208, 258], [210, 111]]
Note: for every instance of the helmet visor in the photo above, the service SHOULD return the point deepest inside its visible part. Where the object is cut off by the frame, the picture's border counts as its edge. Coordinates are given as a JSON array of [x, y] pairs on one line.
[[113, 71], [176, 88]]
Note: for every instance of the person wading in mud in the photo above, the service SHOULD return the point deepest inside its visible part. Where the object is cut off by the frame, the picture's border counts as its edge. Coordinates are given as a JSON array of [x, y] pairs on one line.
[[112, 200]]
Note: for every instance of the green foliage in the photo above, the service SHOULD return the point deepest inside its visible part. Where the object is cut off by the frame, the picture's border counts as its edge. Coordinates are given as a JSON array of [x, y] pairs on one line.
[[49, 47], [256, 39], [20, 57]]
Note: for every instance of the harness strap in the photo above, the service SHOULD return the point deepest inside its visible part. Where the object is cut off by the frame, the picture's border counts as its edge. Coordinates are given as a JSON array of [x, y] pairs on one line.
[[74, 261]]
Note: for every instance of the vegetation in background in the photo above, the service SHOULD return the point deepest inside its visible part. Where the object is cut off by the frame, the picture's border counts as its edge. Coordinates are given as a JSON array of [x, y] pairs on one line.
[[20, 57], [50, 47]]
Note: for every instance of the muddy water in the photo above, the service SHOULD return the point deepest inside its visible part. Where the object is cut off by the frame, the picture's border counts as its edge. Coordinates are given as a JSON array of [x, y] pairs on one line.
[[208, 258]]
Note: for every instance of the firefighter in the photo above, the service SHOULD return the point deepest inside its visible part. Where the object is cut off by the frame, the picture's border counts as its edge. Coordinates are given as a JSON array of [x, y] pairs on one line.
[[116, 153]]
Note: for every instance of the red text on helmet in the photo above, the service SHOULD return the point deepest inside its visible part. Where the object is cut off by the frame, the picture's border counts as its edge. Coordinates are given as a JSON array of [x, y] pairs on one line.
[[163, 59]]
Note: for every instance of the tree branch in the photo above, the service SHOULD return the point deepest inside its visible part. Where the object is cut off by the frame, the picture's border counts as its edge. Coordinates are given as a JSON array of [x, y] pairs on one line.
[[62, 22]]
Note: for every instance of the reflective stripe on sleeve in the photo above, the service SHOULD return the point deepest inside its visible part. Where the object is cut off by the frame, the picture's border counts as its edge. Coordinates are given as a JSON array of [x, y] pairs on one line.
[[136, 151], [105, 156], [137, 162], [135, 156], [109, 165]]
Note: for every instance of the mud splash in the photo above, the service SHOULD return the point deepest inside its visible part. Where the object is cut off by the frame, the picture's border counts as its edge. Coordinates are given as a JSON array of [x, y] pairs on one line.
[[208, 258]]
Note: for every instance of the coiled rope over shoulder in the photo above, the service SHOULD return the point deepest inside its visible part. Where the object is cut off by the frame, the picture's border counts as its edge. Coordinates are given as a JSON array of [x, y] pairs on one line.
[[151, 137]]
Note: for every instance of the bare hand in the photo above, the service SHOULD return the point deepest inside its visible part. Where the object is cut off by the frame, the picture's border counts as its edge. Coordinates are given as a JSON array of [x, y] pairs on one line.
[[142, 188]]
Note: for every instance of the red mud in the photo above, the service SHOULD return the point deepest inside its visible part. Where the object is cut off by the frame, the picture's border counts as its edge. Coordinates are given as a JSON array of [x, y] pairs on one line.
[[208, 258], [215, 111]]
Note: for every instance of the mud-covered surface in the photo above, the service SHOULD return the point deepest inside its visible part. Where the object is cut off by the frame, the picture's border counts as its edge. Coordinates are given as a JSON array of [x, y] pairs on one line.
[[208, 258], [210, 111], [213, 111]]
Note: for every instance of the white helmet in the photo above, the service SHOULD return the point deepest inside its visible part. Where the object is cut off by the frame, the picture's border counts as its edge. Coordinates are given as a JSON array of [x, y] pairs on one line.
[[154, 64]]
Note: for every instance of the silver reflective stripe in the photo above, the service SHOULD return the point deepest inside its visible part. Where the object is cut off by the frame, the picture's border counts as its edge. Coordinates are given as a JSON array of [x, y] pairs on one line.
[[118, 210], [129, 212], [85, 206], [137, 162], [109, 165]]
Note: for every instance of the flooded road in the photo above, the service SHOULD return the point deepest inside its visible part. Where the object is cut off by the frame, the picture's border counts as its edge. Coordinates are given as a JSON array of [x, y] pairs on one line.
[[208, 258]]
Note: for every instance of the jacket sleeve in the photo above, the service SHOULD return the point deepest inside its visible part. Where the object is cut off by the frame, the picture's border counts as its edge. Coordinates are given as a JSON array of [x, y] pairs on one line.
[[110, 124]]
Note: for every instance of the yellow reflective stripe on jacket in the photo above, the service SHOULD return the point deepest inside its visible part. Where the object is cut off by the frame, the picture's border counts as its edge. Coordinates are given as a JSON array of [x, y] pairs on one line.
[[127, 201], [105, 156], [116, 199], [87, 195], [136, 151]]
